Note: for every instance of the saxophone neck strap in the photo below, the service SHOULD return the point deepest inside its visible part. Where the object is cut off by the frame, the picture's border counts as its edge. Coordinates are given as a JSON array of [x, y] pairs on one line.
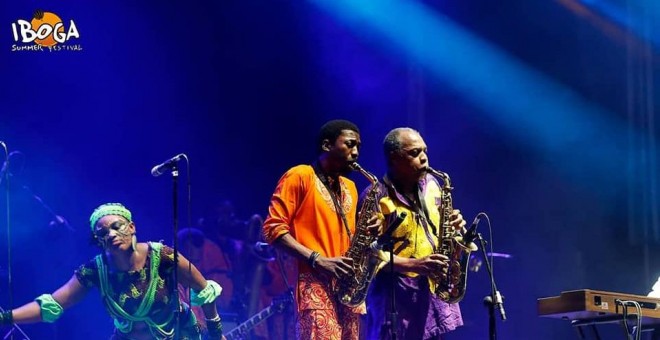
[[333, 194], [416, 204]]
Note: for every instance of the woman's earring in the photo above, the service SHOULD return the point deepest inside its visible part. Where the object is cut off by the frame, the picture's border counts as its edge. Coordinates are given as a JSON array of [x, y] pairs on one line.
[[134, 243]]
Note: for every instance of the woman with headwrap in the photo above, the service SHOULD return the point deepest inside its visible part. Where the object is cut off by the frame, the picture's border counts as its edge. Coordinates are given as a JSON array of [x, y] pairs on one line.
[[136, 284]]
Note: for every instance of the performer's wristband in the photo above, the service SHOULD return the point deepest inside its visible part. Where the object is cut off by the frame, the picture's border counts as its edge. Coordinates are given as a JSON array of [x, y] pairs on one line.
[[6, 318], [214, 327], [312, 258]]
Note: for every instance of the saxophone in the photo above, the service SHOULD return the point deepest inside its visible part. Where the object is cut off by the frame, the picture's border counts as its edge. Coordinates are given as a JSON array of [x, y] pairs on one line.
[[451, 286], [352, 291]]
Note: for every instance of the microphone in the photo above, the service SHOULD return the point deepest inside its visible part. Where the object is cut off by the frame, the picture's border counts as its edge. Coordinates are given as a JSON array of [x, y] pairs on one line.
[[471, 233], [499, 303], [5, 171], [262, 246], [383, 239], [167, 165], [264, 251], [488, 300], [58, 220]]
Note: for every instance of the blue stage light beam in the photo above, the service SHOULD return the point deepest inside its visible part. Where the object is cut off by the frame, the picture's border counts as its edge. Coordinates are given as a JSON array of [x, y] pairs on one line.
[[642, 18], [540, 112]]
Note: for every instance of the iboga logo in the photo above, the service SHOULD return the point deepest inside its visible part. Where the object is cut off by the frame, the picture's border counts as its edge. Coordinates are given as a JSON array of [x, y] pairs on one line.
[[45, 29]]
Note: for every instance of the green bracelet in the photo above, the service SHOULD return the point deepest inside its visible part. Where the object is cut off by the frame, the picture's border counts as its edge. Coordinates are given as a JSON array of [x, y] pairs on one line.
[[206, 295]]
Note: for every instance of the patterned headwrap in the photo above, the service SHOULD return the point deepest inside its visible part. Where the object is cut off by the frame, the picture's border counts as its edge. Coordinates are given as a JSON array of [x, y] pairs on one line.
[[109, 209]]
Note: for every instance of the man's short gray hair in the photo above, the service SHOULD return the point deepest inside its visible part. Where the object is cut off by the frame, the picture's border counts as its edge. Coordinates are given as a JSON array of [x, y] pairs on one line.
[[391, 143]]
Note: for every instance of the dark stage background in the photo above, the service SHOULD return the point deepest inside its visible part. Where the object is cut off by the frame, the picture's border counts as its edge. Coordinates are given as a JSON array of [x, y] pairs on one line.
[[541, 112]]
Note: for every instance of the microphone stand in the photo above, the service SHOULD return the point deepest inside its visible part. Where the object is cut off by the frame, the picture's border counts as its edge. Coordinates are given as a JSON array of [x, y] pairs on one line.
[[389, 326], [391, 320], [4, 174], [392, 315], [177, 311], [495, 298]]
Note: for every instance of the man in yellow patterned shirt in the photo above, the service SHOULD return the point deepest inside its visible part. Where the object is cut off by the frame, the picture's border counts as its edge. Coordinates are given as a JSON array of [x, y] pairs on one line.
[[408, 188]]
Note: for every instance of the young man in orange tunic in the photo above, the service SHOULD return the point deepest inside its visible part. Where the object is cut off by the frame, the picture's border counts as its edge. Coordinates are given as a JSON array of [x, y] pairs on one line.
[[312, 216]]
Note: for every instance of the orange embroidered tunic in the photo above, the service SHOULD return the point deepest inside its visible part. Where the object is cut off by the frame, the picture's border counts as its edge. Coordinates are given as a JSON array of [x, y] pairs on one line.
[[302, 206]]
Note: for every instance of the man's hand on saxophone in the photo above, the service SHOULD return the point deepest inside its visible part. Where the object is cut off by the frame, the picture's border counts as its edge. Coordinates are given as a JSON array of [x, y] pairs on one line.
[[375, 224], [337, 267], [341, 267], [430, 264], [456, 220]]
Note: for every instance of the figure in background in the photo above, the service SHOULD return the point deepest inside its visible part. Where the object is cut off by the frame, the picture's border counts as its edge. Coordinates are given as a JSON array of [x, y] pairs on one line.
[[410, 189], [136, 284], [221, 225], [211, 262], [237, 239], [312, 216]]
